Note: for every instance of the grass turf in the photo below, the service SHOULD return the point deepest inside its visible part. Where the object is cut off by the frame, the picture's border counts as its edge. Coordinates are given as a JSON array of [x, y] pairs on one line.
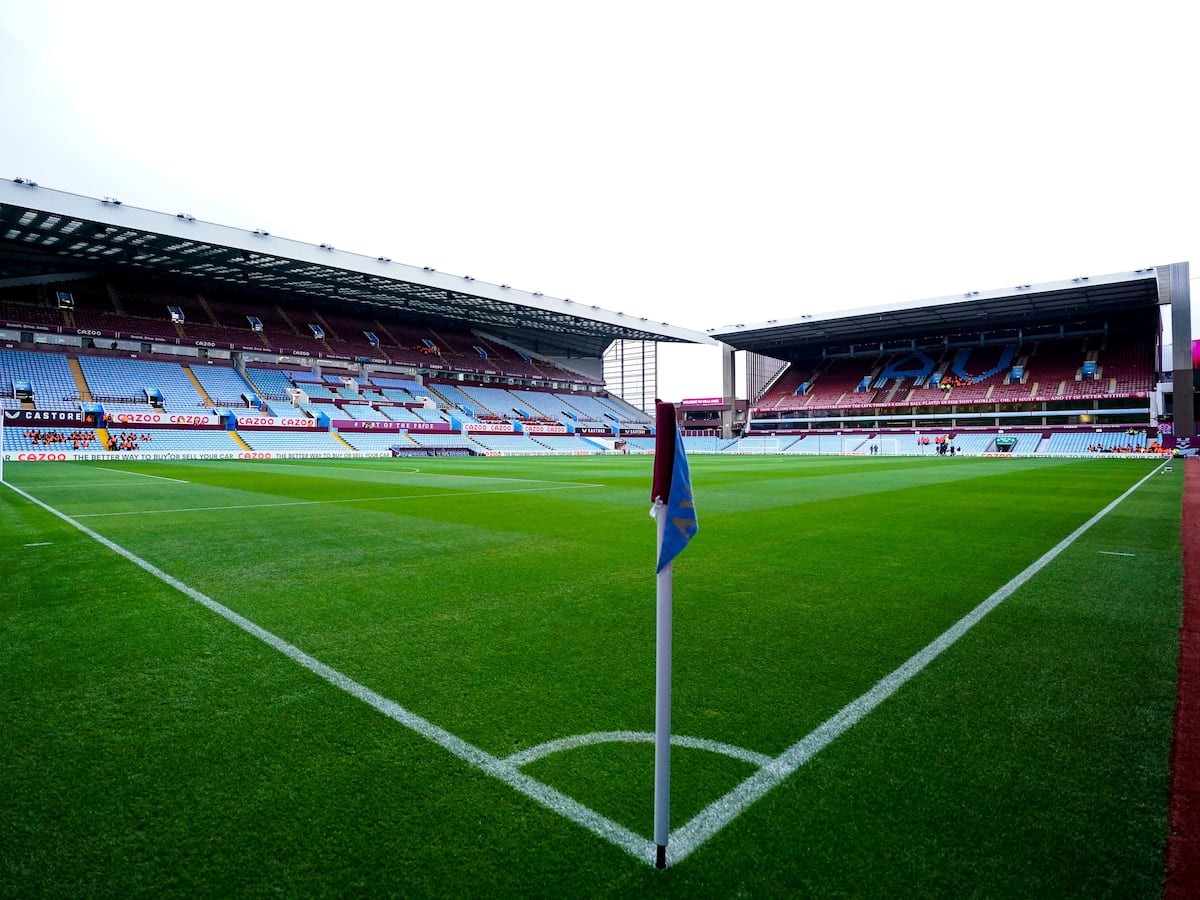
[[150, 747]]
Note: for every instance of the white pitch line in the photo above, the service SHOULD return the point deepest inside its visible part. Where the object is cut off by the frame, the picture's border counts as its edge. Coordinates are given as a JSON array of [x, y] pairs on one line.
[[1114, 553], [547, 796], [142, 475], [41, 544], [428, 474], [143, 512], [719, 814], [525, 757], [75, 486]]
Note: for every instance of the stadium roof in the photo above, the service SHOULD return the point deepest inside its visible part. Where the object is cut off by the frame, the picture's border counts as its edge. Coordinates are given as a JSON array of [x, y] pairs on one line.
[[51, 235], [1025, 306]]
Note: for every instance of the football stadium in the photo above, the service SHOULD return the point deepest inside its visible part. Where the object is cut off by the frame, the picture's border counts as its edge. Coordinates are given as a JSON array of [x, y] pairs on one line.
[[331, 574]]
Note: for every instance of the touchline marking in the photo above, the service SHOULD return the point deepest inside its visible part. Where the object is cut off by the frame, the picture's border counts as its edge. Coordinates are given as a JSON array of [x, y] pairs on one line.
[[1114, 553], [416, 471], [145, 512], [684, 840], [719, 814], [552, 799], [41, 544], [143, 475], [68, 486]]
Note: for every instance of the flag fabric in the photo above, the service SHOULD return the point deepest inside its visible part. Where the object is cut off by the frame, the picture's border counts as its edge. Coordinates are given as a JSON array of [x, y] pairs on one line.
[[672, 486]]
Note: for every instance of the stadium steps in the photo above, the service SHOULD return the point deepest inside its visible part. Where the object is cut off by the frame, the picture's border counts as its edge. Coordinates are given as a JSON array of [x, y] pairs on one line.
[[212, 319], [179, 331], [341, 440], [237, 437], [187, 370], [115, 298], [287, 320], [329, 332], [85, 393], [102, 434], [381, 329]]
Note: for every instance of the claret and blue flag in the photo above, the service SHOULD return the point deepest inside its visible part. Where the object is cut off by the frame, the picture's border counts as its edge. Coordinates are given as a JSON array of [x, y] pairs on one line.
[[672, 485]]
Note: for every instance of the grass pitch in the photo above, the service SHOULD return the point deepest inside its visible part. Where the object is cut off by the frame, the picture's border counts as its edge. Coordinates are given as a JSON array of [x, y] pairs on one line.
[[149, 746]]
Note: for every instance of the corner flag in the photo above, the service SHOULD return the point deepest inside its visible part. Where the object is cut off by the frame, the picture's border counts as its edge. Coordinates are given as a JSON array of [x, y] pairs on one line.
[[675, 513], [672, 485]]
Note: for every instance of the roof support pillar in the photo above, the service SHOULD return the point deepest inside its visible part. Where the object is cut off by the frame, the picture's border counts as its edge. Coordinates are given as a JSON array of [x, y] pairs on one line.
[[728, 389], [1174, 288]]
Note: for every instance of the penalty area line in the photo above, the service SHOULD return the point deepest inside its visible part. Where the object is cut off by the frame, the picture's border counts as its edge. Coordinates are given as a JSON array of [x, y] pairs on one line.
[[719, 814], [550, 798]]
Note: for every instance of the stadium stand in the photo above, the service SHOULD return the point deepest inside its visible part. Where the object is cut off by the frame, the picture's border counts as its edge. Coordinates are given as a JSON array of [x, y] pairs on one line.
[[361, 412], [130, 380], [291, 441], [224, 385], [444, 440], [170, 440], [58, 440], [271, 384], [816, 444], [49, 376]]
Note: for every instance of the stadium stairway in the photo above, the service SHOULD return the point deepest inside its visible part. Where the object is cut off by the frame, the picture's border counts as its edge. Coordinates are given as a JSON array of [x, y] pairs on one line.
[[237, 437], [342, 440], [85, 393], [187, 370], [102, 433], [212, 319]]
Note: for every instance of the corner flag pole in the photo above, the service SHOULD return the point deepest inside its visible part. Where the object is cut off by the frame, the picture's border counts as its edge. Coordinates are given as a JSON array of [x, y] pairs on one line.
[[662, 699], [675, 513]]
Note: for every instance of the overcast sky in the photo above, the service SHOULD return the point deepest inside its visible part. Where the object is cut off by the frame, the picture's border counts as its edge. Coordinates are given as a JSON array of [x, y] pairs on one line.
[[700, 164]]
